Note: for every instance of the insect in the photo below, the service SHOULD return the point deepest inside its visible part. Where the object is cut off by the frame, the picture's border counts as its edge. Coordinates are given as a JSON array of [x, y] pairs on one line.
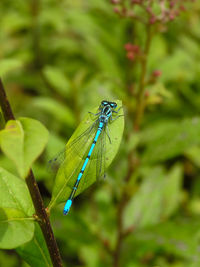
[[85, 146]]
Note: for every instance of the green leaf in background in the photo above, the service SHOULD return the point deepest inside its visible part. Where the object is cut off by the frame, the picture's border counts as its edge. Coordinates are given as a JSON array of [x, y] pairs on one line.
[[89, 254], [177, 66], [35, 252], [170, 139], [16, 225], [60, 112], [178, 238], [157, 198], [172, 191], [9, 64], [23, 141], [67, 174], [193, 154], [57, 79]]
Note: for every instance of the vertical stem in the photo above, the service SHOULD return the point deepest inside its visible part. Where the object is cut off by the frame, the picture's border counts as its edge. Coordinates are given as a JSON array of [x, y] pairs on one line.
[[34, 9], [140, 95], [121, 233], [43, 219], [5, 105], [117, 251]]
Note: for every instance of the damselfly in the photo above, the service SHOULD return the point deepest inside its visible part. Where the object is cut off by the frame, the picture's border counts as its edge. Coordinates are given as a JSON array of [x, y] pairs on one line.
[[90, 148]]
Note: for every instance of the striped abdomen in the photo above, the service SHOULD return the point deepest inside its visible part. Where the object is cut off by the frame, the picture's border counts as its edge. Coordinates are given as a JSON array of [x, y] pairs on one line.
[[69, 201]]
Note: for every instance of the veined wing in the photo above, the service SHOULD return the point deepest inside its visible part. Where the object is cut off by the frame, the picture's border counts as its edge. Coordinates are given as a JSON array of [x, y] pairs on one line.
[[96, 166], [74, 156], [76, 148]]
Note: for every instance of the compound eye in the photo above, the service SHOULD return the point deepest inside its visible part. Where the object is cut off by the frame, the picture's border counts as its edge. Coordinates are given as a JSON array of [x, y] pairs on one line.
[[113, 104], [104, 103]]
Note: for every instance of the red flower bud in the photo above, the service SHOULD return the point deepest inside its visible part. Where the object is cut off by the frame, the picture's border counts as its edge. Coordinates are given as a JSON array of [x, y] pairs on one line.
[[130, 55], [116, 10], [128, 46], [136, 2], [171, 16], [136, 49], [146, 94], [157, 73], [114, 2], [152, 20], [181, 8], [132, 48]]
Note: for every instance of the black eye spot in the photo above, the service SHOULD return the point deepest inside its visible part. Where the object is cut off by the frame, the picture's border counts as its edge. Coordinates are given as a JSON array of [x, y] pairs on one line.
[[113, 104], [104, 103]]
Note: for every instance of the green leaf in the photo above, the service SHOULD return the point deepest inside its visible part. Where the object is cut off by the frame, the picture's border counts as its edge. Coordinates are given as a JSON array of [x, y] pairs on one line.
[[57, 79], [170, 139], [177, 67], [35, 252], [89, 254], [9, 64], [23, 141], [14, 193], [15, 228], [160, 192], [61, 112], [149, 195], [68, 172], [193, 154], [179, 238], [172, 191]]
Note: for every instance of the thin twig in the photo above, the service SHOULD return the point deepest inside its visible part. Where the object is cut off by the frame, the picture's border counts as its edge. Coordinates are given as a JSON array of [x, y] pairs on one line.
[[105, 242], [121, 233], [5, 105], [43, 219], [140, 95]]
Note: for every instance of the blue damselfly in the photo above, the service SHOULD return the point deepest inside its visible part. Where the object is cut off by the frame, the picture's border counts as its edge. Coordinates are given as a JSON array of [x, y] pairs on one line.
[[90, 148]]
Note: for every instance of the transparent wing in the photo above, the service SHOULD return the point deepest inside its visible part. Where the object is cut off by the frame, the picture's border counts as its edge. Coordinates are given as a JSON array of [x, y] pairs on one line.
[[74, 155], [96, 166], [77, 147], [54, 163]]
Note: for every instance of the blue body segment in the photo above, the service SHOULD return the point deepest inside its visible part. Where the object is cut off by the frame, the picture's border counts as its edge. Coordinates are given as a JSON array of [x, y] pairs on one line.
[[106, 108], [67, 206]]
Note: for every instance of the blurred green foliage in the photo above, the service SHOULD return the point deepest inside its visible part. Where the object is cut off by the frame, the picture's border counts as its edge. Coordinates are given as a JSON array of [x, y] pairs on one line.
[[58, 60]]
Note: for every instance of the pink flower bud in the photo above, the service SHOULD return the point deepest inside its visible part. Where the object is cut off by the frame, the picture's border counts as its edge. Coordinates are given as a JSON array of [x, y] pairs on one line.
[[114, 2], [171, 16], [116, 10], [128, 46], [136, 2], [146, 94], [152, 19], [157, 73], [172, 3], [136, 49], [182, 8], [130, 55], [132, 48], [149, 10]]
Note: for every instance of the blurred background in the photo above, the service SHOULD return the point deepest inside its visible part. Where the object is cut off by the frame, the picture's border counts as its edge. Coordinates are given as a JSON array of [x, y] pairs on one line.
[[59, 59]]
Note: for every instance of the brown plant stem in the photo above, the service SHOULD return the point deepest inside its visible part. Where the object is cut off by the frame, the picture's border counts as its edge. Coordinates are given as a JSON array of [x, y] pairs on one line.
[[41, 214], [121, 233], [5, 105], [140, 105]]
